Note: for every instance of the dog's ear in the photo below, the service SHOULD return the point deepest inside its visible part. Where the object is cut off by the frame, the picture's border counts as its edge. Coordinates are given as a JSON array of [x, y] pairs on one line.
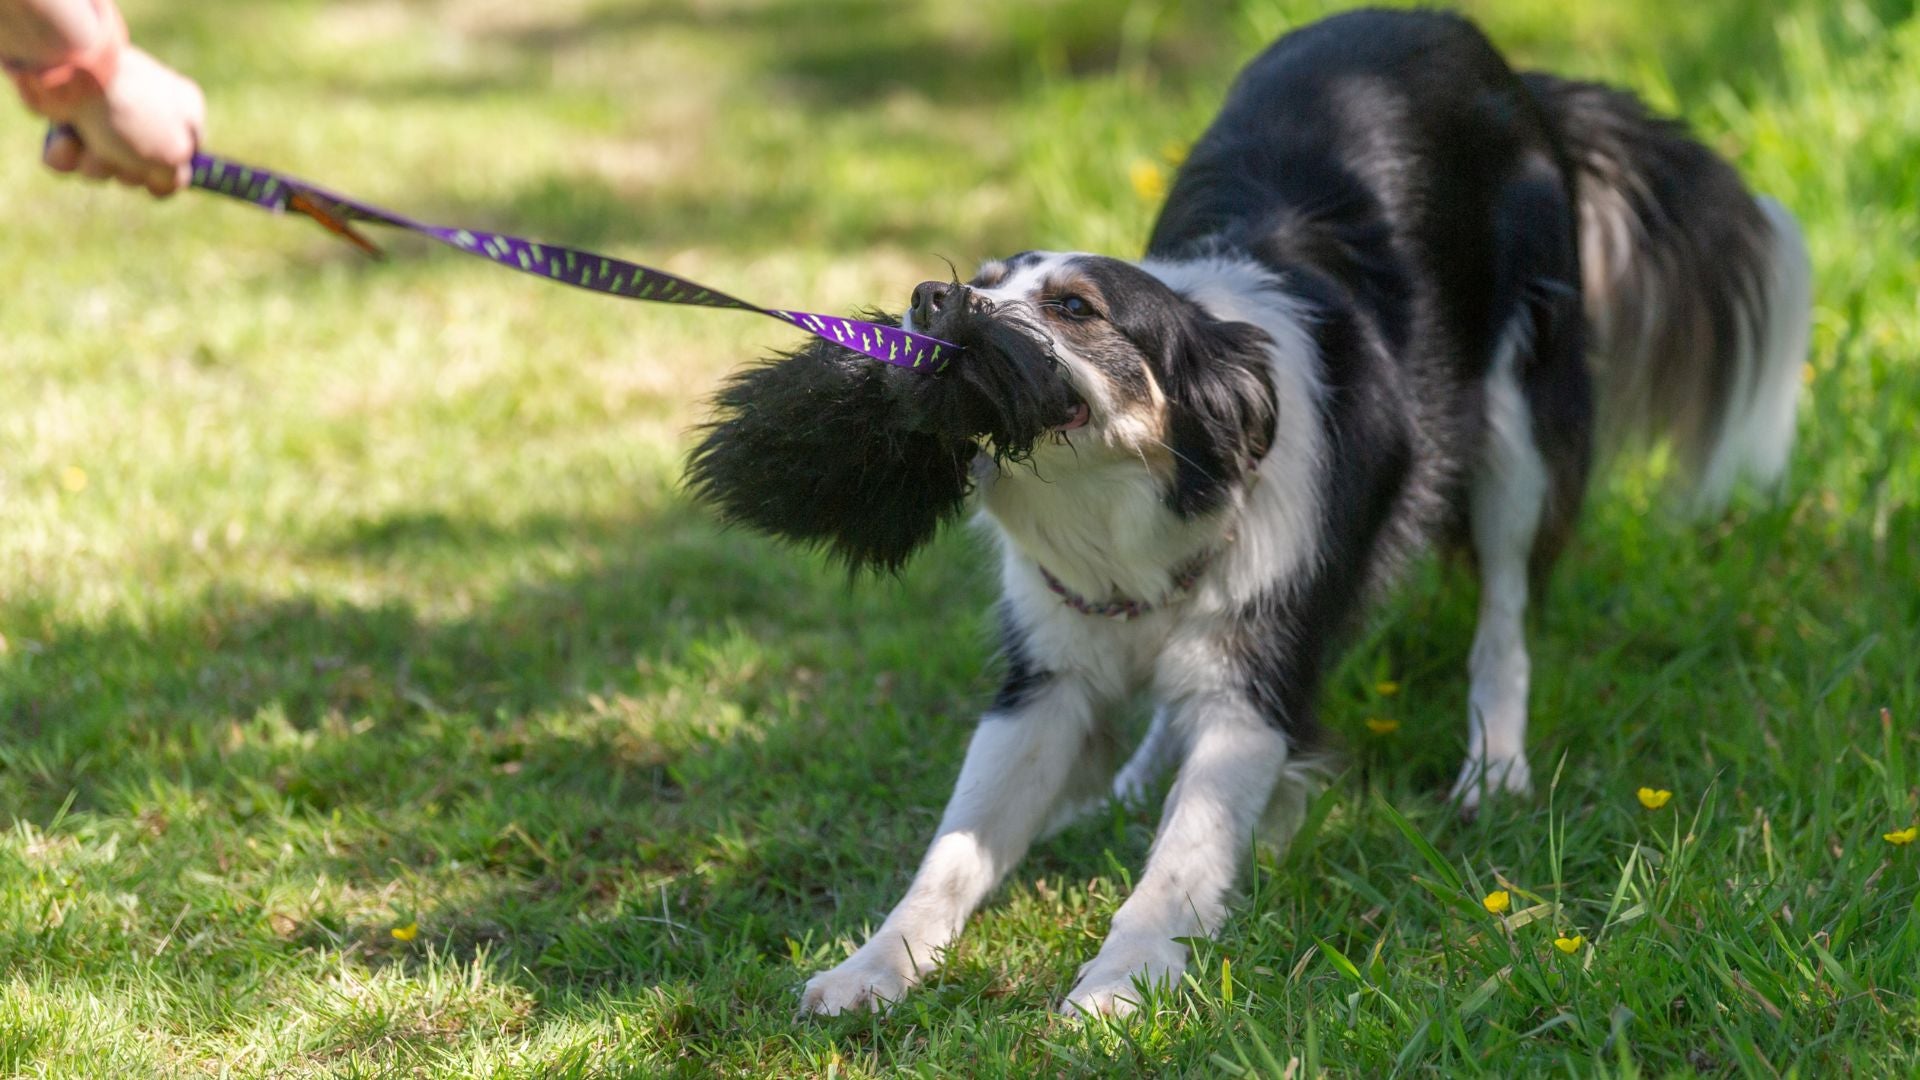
[[1221, 407], [817, 447]]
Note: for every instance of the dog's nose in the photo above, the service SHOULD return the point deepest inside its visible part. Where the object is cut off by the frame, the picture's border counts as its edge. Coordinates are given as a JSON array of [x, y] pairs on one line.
[[930, 298]]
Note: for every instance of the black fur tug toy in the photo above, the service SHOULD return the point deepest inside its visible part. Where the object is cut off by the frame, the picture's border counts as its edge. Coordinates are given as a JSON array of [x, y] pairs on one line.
[[826, 448]]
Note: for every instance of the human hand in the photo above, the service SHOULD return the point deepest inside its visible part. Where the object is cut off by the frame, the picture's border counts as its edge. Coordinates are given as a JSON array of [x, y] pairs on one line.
[[141, 130]]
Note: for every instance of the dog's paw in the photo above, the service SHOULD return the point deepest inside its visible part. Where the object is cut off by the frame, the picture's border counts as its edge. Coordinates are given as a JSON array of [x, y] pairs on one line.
[[862, 983], [1109, 983], [1509, 775], [1133, 785]]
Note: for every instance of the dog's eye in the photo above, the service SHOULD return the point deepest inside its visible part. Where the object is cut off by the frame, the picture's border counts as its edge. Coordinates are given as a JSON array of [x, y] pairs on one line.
[[1075, 307]]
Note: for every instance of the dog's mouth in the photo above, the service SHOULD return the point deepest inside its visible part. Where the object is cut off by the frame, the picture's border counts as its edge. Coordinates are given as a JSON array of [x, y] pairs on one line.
[[1008, 390]]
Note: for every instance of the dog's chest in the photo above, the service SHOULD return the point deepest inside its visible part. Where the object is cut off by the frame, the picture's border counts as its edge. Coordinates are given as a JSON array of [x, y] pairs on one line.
[[1105, 532]]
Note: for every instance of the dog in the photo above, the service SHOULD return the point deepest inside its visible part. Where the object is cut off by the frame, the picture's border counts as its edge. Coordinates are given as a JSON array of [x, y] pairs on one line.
[[1400, 297]]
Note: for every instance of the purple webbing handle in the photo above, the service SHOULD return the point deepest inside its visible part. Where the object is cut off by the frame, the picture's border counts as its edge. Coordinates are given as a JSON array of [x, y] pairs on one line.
[[277, 193]]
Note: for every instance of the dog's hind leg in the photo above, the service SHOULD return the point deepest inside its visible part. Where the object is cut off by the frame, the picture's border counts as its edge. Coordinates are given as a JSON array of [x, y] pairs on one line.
[[1022, 757], [1155, 753], [1525, 487], [1506, 494], [1090, 782], [1509, 493]]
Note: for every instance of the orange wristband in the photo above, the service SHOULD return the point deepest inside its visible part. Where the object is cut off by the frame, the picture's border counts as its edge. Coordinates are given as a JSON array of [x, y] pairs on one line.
[[56, 91]]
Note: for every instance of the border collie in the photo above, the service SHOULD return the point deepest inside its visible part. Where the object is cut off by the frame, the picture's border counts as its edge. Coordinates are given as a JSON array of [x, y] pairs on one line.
[[1399, 297]]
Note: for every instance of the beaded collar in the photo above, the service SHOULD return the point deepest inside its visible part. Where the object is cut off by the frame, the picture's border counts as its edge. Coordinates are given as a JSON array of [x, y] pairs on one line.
[[1125, 607]]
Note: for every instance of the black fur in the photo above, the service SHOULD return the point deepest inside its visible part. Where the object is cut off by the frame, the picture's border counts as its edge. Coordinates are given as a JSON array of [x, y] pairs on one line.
[[1220, 403], [1023, 677], [1220, 413], [1669, 310], [828, 448], [812, 446], [1285, 640], [1408, 286]]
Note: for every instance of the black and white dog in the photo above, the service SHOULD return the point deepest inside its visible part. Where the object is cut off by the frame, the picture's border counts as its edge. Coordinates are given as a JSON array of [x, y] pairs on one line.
[[1399, 296]]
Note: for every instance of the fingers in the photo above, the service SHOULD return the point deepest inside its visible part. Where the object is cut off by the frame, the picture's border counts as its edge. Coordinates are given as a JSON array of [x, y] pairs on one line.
[[66, 153], [163, 182], [95, 166], [143, 131], [63, 151]]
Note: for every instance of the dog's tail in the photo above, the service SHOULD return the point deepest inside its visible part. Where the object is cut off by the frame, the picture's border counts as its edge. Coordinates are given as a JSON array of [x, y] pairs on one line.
[[1698, 295]]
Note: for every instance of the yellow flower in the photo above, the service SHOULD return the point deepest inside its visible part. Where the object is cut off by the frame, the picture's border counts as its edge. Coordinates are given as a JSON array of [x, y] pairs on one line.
[[1654, 799], [1380, 725], [1569, 945], [1148, 178], [407, 932], [73, 478], [1386, 688], [1902, 836], [1174, 151], [1497, 901]]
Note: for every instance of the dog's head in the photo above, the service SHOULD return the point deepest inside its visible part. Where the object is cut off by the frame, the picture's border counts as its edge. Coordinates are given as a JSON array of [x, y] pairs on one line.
[[1075, 358], [1098, 355]]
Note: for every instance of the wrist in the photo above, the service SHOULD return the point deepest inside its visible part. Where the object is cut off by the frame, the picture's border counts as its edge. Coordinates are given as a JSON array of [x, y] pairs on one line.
[[60, 87]]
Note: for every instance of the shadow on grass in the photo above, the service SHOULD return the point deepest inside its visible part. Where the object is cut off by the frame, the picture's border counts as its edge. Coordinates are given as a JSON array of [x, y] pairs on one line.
[[740, 218], [836, 54], [593, 777]]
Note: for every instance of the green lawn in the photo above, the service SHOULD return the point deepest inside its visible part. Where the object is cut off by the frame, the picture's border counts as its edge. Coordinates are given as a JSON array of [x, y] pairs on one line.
[[371, 703]]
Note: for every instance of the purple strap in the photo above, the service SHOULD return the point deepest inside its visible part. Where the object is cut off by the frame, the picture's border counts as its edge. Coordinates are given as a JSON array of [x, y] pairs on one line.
[[279, 193]]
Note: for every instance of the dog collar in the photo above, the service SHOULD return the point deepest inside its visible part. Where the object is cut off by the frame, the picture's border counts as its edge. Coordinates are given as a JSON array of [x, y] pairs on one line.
[[1125, 607]]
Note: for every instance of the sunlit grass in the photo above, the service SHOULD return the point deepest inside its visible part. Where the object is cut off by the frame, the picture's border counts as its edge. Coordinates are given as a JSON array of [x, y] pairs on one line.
[[339, 598]]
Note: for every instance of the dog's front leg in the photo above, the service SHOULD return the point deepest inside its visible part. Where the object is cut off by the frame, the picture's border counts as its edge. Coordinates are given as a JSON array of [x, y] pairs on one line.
[[1234, 759], [1016, 767]]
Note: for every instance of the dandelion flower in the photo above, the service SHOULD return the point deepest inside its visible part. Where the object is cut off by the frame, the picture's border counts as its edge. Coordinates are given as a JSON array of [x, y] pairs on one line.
[[1569, 945], [1497, 901], [407, 932], [1386, 688], [1148, 178], [1380, 725], [1174, 151], [1654, 798], [1902, 836], [74, 479]]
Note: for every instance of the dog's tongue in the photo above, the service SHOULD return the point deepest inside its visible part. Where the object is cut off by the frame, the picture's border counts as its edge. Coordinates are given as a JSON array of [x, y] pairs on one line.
[[1081, 414]]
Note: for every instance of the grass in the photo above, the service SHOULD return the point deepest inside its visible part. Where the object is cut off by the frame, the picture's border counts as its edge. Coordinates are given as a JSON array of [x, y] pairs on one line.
[[340, 598]]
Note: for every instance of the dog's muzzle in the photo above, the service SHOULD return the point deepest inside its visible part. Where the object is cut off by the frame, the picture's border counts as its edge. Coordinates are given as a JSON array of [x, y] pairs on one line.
[[1006, 385], [937, 303]]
